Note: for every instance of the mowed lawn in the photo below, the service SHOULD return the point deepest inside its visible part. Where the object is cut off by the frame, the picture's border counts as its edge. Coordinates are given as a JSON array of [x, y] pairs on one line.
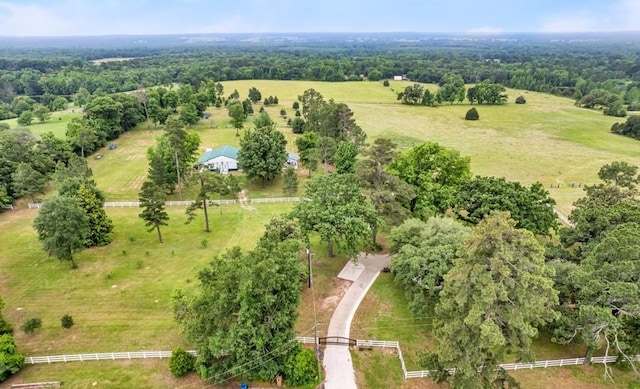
[[120, 295]]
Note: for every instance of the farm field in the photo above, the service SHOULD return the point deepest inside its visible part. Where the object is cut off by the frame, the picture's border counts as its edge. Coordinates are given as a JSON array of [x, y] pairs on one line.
[[120, 296]]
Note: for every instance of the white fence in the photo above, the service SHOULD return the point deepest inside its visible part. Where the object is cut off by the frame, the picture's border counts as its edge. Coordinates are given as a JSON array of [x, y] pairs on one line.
[[275, 200], [98, 357], [8, 206], [377, 343], [563, 218], [532, 365], [135, 204], [306, 339], [313, 340]]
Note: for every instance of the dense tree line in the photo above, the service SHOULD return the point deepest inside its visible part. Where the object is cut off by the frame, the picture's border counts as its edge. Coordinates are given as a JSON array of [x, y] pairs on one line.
[[566, 68]]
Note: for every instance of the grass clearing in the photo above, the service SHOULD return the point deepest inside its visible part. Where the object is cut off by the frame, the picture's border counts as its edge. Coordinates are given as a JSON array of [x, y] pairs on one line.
[[57, 124]]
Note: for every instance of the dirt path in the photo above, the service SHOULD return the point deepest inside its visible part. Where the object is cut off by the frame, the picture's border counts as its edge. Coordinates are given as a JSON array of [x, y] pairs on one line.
[[244, 201]]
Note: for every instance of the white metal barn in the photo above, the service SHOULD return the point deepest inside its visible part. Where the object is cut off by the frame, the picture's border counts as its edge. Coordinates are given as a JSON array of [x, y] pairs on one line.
[[292, 160], [222, 159]]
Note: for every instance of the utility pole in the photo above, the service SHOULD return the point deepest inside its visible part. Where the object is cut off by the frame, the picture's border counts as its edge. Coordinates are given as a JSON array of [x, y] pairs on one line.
[[315, 315], [309, 264]]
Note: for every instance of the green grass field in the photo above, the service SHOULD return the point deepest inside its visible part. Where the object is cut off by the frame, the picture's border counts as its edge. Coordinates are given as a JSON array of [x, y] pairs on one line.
[[547, 139], [120, 295], [56, 124]]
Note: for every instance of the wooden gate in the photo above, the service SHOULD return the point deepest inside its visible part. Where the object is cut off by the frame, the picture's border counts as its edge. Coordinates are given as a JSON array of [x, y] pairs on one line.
[[338, 340]]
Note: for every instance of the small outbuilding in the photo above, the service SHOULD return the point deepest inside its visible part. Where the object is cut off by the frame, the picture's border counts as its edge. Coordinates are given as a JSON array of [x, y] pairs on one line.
[[223, 159], [292, 160]]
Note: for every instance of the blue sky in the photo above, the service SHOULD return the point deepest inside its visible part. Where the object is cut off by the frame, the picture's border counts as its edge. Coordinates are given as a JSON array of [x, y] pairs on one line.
[[105, 17]]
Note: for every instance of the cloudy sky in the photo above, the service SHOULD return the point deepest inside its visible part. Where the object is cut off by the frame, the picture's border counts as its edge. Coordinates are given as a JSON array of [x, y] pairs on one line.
[[106, 17]]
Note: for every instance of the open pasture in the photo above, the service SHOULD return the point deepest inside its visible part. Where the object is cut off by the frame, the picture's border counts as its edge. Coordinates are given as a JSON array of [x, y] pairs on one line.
[[547, 139]]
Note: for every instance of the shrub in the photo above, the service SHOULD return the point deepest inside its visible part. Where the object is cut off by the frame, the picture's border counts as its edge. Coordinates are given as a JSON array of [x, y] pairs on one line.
[[472, 114], [181, 363], [204, 243], [385, 83], [297, 126], [283, 113], [31, 325], [521, 100], [5, 327], [301, 367], [296, 105], [66, 321], [10, 360]]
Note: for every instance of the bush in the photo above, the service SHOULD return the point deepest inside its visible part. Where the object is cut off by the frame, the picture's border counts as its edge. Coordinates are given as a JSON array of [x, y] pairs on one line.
[[31, 325], [472, 114], [385, 83], [66, 321], [181, 363], [296, 105], [301, 367], [283, 113], [521, 100], [297, 126], [615, 109], [10, 360]]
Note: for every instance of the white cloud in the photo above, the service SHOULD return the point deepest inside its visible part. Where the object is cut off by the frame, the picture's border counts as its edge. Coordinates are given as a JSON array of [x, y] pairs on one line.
[[620, 15], [486, 30], [570, 23]]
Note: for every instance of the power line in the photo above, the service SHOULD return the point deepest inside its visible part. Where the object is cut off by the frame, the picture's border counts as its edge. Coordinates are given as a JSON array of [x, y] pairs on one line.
[[288, 344]]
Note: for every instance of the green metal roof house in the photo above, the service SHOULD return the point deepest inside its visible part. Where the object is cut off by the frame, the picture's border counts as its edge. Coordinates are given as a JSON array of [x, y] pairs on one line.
[[223, 159]]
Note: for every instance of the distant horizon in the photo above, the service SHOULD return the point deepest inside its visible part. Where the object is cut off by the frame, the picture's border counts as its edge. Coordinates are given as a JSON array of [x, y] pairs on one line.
[[355, 33], [74, 18]]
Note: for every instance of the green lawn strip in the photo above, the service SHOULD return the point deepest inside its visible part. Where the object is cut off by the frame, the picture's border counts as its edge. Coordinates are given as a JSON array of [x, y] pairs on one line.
[[383, 315], [327, 290], [377, 369], [141, 373], [575, 377], [120, 296]]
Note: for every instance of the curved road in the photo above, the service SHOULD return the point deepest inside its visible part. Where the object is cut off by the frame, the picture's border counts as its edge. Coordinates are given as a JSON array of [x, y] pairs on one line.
[[337, 359]]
